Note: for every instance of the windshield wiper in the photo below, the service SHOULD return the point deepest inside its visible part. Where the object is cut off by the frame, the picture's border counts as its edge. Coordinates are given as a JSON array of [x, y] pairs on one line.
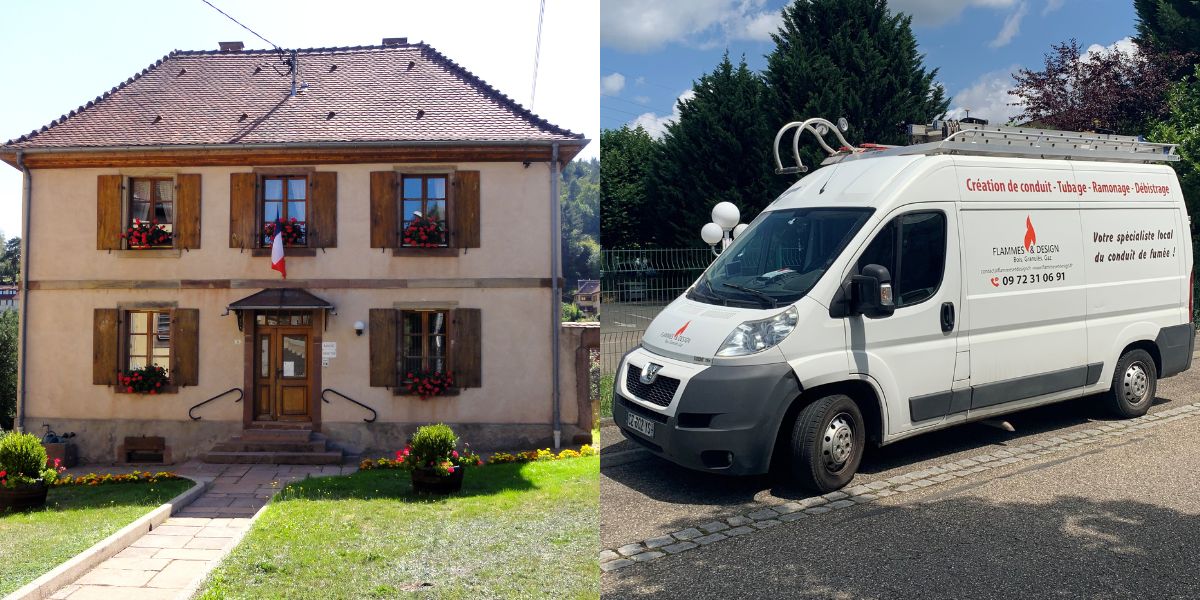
[[771, 303], [711, 294]]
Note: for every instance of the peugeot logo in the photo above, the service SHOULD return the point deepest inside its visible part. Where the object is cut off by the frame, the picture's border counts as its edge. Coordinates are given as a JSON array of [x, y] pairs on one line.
[[650, 373]]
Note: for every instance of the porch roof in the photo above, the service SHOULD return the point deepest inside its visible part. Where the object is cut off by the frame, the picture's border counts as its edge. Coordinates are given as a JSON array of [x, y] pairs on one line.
[[281, 299]]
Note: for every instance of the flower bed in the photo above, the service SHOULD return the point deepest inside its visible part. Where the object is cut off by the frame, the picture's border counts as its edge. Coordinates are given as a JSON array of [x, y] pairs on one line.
[[401, 461], [106, 478]]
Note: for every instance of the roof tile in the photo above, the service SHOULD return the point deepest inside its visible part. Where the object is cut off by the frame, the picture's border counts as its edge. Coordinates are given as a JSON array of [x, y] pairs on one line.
[[401, 93]]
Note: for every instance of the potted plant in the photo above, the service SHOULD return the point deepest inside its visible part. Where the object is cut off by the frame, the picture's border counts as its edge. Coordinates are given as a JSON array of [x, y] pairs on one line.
[[429, 383], [25, 476], [425, 232], [433, 459], [142, 235], [294, 232]]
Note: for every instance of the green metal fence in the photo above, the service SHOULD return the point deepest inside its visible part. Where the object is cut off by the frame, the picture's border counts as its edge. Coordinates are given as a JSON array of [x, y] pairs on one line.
[[634, 286]]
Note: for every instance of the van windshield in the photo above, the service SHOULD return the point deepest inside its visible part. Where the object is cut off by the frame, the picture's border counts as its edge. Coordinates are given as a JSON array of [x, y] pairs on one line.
[[779, 258]]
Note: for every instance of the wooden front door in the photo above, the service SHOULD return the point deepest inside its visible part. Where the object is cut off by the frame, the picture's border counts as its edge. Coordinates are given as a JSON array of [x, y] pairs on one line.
[[283, 366]]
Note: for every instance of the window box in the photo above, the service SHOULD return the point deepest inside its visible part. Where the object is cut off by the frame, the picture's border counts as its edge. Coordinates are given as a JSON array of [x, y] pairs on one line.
[[414, 339], [125, 339]]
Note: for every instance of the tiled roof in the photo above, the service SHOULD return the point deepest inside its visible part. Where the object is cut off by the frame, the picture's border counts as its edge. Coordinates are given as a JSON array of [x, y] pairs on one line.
[[400, 93], [588, 286]]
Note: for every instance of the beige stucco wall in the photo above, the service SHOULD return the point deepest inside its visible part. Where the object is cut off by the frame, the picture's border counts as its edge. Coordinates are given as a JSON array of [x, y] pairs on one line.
[[515, 358], [515, 242], [514, 230]]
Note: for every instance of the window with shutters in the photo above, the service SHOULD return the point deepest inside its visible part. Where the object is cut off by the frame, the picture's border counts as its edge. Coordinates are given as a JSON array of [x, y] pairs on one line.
[[423, 211], [422, 341], [154, 216], [284, 210], [128, 340], [151, 213]]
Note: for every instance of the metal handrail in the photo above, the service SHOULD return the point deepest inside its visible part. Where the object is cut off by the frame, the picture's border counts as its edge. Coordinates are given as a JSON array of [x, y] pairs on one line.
[[239, 399], [374, 415]]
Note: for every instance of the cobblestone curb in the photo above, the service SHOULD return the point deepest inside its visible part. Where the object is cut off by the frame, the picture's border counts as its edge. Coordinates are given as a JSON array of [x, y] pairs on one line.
[[776, 514]]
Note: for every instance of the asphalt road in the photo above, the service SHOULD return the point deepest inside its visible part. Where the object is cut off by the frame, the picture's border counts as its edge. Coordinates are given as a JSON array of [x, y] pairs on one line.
[[1112, 520]]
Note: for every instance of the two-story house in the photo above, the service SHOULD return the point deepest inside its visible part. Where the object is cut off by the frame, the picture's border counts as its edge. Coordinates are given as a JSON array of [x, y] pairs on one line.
[[417, 207]]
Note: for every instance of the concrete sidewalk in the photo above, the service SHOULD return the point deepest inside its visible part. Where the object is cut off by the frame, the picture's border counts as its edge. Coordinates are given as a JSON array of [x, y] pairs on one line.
[[1118, 518]]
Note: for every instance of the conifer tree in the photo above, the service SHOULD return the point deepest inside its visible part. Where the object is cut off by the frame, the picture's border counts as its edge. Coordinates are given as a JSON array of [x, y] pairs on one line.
[[853, 59], [718, 150], [625, 155]]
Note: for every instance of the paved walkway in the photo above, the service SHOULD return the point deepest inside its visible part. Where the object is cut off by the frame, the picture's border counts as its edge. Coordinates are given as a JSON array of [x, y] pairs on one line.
[[171, 560]]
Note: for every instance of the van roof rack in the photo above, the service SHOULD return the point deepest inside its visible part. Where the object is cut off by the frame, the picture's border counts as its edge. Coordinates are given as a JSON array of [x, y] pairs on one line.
[[956, 137]]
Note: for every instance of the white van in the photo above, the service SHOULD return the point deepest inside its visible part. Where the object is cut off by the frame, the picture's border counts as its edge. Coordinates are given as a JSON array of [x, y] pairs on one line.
[[903, 290]]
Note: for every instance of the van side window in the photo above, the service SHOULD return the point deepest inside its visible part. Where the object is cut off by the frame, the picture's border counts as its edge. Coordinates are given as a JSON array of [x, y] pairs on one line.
[[919, 240]]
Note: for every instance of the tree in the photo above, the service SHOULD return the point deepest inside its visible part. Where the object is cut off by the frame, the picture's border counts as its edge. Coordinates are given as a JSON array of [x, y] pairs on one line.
[[625, 156], [580, 222], [1182, 126], [1165, 26], [1108, 90], [8, 368], [853, 59], [718, 150], [10, 261]]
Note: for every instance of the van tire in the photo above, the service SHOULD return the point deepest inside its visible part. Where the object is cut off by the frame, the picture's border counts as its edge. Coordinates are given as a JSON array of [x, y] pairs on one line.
[[1134, 384], [827, 443]]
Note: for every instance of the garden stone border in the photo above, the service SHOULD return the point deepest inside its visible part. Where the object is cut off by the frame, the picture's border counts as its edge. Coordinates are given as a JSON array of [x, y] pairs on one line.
[[771, 515], [45, 586]]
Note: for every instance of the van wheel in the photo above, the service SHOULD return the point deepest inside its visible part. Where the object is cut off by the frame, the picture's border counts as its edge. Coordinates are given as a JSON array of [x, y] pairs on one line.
[[827, 443], [1134, 384]]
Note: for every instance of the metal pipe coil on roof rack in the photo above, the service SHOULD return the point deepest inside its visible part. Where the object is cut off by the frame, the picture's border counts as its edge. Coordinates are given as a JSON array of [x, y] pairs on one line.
[[814, 125]]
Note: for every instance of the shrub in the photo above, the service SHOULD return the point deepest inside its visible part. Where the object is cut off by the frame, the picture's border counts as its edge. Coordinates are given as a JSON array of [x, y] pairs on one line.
[[22, 454], [432, 442]]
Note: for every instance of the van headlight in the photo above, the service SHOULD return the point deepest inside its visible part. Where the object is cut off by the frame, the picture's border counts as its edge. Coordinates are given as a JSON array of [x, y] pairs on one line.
[[756, 336]]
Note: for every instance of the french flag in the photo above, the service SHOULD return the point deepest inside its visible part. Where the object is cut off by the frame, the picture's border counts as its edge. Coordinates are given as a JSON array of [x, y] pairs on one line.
[[277, 255]]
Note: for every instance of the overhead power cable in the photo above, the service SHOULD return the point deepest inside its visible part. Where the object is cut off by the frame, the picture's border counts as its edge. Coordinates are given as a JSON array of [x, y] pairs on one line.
[[537, 53]]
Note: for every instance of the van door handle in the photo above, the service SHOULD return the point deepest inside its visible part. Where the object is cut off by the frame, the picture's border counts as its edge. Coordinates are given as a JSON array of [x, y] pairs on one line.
[[947, 316]]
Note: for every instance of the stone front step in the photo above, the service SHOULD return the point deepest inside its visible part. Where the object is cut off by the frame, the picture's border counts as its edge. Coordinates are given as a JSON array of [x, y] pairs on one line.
[[239, 445], [276, 458], [296, 436]]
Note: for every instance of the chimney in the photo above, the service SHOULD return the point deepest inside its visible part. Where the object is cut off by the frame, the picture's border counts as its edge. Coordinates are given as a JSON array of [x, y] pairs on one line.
[[395, 41], [231, 46]]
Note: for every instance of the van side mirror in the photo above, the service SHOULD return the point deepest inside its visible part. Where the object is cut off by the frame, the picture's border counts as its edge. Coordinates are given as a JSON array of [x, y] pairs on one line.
[[871, 292]]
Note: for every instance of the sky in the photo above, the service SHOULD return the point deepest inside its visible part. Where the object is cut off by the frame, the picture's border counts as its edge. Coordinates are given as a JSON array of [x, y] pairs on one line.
[[652, 50], [61, 54]]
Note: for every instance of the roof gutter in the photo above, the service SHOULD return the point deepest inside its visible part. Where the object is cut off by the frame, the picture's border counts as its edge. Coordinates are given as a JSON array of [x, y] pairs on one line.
[[285, 145], [555, 292], [26, 197]]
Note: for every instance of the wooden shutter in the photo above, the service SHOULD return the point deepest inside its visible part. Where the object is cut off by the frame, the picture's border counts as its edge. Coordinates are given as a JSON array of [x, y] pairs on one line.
[[185, 349], [323, 220], [108, 211], [104, 346], [466, 209], [382, 330], [242, 221], [466, 347], [383, 209], [187, 210]]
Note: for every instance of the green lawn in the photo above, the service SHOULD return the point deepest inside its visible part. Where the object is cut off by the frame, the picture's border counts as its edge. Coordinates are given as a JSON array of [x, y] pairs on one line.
[[516, 530], [75, 518]]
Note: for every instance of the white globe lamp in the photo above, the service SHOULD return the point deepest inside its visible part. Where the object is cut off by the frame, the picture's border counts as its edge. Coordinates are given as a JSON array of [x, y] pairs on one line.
[[711, 234], [739, 229], [726, 215]]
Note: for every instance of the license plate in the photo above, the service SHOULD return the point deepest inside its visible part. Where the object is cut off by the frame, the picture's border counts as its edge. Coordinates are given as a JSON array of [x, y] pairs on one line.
[[640, 424]]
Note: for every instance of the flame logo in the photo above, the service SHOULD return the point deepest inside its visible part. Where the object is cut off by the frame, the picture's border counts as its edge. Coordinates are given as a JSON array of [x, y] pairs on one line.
[[1030, 234], [682, 329]]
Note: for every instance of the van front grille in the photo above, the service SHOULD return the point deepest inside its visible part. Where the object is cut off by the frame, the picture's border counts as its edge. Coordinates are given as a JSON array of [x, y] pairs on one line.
[[660, 393]]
